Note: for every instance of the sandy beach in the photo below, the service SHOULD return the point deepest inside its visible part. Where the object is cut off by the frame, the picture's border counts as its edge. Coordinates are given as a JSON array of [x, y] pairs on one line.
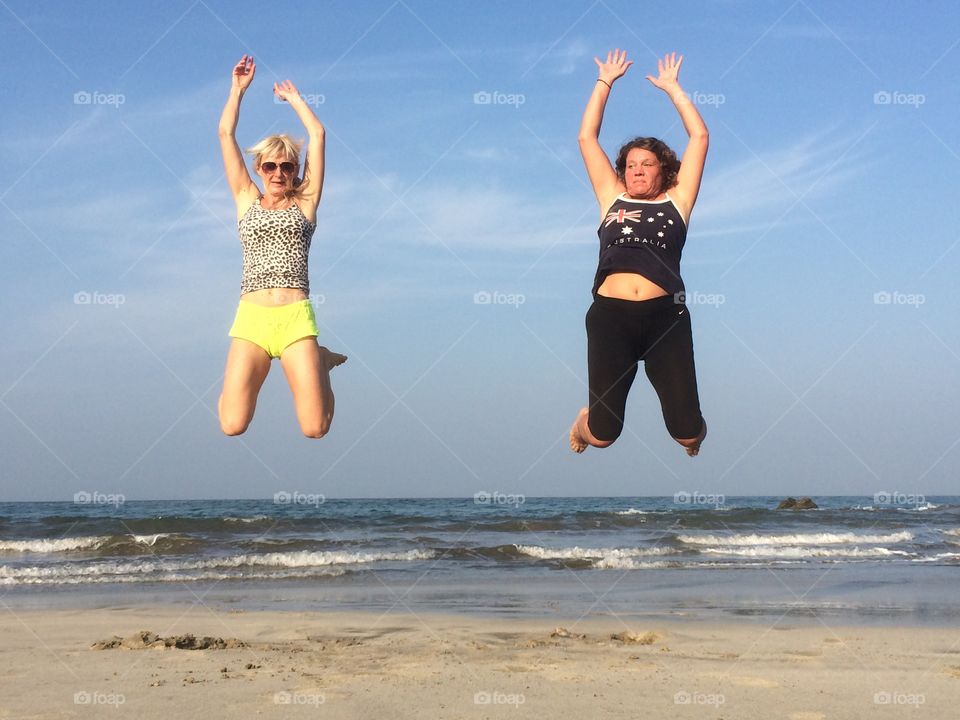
[[363, 665]]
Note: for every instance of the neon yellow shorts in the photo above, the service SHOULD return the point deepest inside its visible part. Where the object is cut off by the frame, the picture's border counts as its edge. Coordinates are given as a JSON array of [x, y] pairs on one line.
[[274, 327]]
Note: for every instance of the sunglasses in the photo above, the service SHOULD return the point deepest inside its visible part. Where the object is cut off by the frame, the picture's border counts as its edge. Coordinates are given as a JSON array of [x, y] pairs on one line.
[[285, 167]]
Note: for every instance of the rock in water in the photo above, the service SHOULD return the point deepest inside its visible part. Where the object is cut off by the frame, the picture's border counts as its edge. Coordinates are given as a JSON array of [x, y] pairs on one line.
[[803, 503]]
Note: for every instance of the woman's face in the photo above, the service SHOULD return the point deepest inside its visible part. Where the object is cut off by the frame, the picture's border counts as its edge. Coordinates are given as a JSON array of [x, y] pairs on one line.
[[277, 172], [642, 175]]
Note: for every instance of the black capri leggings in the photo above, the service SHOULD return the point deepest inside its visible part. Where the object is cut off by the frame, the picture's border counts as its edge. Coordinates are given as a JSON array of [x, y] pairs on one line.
[[620, 333]]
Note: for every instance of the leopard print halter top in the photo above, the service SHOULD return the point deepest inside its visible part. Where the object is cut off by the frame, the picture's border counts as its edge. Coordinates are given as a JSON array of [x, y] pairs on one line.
[[275, 245]]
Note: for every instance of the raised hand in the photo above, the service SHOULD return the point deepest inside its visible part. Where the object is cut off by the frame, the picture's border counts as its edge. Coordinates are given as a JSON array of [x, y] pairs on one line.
[[243, 72], [615, 66], [669, 69], [285, 90]]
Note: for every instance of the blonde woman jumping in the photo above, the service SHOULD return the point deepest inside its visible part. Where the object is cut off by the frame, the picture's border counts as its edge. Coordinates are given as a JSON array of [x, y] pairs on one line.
[[275, 318]]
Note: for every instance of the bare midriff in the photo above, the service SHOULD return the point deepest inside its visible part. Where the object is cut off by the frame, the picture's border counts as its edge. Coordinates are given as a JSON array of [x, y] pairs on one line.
[[275, 296], [629, 286]]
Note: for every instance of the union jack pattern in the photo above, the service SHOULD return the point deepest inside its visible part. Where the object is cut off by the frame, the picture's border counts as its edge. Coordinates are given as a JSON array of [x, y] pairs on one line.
[[621, 216]]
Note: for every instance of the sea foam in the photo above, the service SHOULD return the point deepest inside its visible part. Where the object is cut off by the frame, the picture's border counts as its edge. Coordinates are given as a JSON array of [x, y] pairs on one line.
[[795, 539]]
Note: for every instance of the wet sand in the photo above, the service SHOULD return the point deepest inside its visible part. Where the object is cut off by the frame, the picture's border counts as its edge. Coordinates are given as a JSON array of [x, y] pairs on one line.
[[400, 665]]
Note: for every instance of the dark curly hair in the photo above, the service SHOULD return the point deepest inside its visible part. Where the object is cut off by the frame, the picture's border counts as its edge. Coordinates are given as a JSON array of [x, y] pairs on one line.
[[669, 165]]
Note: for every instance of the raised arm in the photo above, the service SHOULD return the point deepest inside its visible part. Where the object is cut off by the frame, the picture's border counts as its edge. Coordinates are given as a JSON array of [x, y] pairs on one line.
[[695, 154], [312, 186], [236, 169], [603, 178]]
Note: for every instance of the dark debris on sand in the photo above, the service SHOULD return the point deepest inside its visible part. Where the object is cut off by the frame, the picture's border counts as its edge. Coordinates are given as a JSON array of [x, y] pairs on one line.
[[146, 639]]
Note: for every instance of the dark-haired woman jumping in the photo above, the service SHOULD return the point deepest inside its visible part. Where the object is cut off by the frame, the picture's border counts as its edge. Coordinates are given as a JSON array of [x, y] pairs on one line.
[[638, 311]]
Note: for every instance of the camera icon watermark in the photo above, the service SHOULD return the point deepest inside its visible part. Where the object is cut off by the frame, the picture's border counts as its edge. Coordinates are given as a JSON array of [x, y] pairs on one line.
[[895, 297], [98, 498], [699, 298], [83, 97], [682, 497], [484, 97], [484, 497], [897, 498], [495, 297], [296, 497], [888, 697], [85, 697], [296, 698], [684, 697], [311, 99], [887, 97], [494, 697], [84, 297]]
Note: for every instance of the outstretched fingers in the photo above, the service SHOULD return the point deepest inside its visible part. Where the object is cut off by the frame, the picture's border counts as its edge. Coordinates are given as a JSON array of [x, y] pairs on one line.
[[668, 71], [243, 72], [285, 90], [615, 66], [245, 65]]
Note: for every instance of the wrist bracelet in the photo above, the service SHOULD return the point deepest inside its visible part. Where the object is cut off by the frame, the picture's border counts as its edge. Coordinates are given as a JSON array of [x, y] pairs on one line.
[[605, 83]]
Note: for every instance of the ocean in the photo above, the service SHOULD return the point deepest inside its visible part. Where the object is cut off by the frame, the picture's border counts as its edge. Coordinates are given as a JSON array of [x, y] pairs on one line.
[[885, 556]]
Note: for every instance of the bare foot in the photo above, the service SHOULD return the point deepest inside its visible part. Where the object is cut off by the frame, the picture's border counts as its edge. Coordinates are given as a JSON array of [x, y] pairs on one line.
[[694, 447], [331, 359], [577, 442]]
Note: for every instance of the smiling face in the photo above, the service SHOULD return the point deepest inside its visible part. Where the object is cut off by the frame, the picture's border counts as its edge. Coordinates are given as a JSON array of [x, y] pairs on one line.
[[642, 176], [277, 171]]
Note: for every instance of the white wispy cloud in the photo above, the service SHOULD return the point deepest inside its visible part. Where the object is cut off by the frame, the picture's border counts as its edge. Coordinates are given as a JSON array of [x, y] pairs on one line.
[[573, 57], [765, 182]]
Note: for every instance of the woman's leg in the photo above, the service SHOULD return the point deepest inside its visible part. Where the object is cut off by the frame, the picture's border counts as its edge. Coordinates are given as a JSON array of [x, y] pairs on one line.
[[307, 367], [612, 367], [670, 367], [247, 368]]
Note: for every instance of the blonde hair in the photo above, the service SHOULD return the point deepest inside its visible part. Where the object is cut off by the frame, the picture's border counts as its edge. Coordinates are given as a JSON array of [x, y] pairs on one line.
[[280, 145]]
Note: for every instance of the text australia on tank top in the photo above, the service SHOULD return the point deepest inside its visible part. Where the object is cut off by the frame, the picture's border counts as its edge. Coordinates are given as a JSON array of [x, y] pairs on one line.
[[644, 237], [276, 246]]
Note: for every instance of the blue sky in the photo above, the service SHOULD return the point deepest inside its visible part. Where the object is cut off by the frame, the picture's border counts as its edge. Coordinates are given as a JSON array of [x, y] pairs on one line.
[[825, 236]]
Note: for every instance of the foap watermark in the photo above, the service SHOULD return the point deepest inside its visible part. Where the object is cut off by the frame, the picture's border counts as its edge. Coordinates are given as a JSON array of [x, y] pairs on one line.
[[484, 97], [311, 99], [316, 299], [495, 697], [895, 297], [696, 497], [83, 97], [98, 498], [894, 697], [495, 297], [701, 98], [895, 97], [699, 298], [83, 297], [95, 697], [298, 698], [498, 498], [298, 498], [684, 697], [897, 498]]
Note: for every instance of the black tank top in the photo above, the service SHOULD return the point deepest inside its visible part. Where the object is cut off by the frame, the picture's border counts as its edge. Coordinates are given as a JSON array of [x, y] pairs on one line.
[[645, 237]]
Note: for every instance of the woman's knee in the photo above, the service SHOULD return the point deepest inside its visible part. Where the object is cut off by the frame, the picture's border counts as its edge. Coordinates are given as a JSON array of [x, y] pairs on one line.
[[315, 430], [608, 433], [687, 433], [233, 420], [233, 426]]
